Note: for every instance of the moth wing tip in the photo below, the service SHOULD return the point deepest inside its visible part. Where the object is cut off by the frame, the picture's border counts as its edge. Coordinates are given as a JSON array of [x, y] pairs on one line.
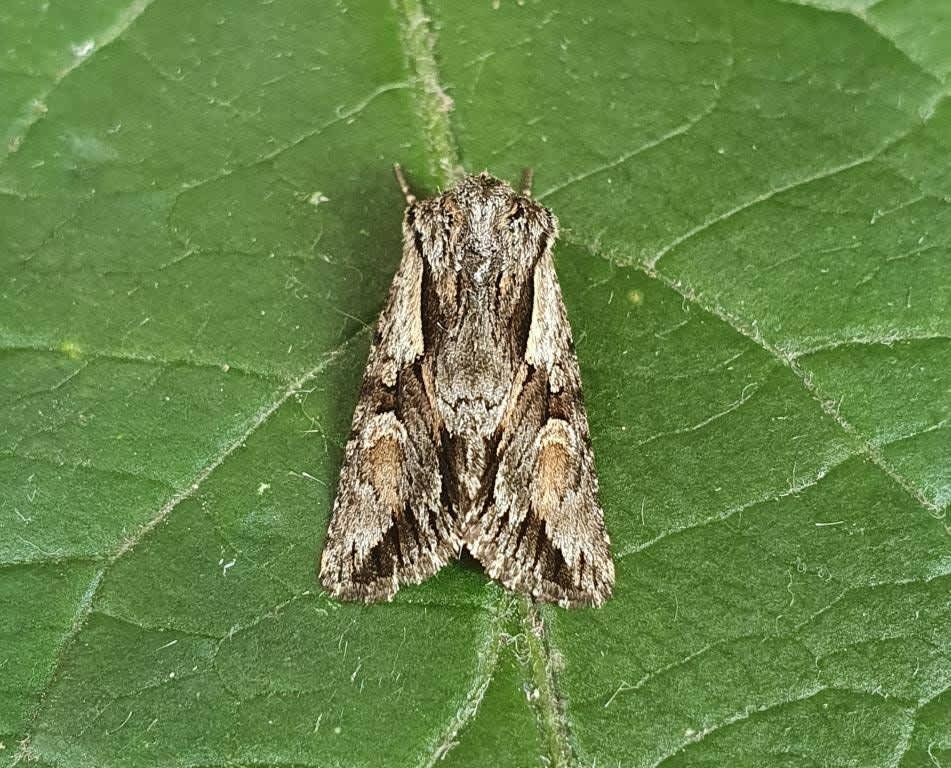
[[349, 591]]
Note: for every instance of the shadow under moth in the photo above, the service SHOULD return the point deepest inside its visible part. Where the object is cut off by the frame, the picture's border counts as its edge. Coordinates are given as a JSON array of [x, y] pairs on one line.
[[470, 431]]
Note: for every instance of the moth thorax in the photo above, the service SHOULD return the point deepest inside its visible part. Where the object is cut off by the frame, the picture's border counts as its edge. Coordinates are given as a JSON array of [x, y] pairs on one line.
[[480, 262], [472, 382]]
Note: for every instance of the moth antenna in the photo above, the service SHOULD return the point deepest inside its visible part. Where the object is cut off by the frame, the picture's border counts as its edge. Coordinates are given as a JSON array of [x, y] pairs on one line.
[[404, 185], [526, 186]]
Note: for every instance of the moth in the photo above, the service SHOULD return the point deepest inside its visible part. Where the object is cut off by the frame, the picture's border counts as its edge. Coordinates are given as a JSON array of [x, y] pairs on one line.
[[470, 431]]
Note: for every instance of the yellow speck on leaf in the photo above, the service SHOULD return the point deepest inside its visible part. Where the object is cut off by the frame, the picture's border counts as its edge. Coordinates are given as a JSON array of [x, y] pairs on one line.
[[71, 349]]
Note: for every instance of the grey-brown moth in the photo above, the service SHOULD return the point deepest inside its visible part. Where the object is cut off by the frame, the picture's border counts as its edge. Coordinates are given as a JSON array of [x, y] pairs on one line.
[[470, 430]]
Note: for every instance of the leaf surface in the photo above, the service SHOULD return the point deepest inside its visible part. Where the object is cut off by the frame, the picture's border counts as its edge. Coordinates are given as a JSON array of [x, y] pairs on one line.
[[197, 229]]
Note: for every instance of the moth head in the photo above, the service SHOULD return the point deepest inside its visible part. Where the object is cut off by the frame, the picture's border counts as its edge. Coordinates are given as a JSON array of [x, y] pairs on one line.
[[493, 210]]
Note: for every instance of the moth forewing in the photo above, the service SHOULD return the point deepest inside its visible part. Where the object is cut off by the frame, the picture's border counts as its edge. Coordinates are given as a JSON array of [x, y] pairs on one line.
[[389, 525], [470, 429], [543, 531]]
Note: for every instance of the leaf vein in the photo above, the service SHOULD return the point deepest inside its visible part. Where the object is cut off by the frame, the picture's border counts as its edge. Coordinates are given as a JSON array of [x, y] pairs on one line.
[[487, 658], [748, 391], [109, 35], [795, 487], [126, 356], [679, 130], [433, 104], [86, 603]]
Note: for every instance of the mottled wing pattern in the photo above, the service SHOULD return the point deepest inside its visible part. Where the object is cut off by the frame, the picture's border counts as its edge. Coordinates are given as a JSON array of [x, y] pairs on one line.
[[389, 525], [540, 529]]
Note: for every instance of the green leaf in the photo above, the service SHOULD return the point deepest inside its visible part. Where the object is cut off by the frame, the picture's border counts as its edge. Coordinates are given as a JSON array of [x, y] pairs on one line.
[[197, 228]]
